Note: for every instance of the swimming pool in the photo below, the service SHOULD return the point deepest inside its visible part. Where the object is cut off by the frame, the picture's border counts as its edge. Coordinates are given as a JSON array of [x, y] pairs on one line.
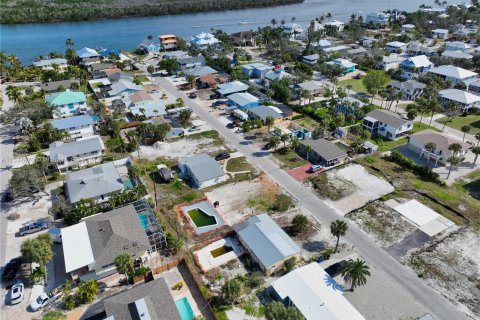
[[201, 218], [129, 183], [143, 220], [184, 308]]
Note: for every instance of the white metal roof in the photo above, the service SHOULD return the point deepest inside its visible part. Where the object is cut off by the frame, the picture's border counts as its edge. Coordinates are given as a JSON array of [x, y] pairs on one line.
[[416, 212], [316, 294], [460, 96], [77, 249], [452, 71]]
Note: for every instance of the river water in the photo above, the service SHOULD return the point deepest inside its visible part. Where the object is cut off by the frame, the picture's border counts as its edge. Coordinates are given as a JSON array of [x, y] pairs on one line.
[[30, 40]]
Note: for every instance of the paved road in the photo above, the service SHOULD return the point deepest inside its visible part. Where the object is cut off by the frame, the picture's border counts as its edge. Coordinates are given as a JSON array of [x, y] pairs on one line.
[[437, 305]]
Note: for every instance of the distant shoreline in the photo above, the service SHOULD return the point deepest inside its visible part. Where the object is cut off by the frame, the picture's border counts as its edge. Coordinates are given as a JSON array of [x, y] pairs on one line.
[[15, 12]]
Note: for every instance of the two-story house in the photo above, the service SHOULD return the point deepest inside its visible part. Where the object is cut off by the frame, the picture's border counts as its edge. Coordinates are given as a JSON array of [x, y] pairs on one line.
[[467, 101], [415, 66], [256, 70], [376, 19], [411, 89], [73, 155], [76, 126], [439, 34], [58, 64], [204, 40], [386, 124], [454, 74], [67, 103], [345, 64], [396, 47]]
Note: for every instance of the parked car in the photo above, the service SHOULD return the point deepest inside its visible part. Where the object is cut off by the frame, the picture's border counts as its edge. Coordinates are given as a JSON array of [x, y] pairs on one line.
[[11, 269], [33, 227], [8, 197], [16, 293], [315, 168], [268, 146], [46, 298], [56, 234], [194, 128], [192, 95], [154, 91], [222, 156], [230, 125]]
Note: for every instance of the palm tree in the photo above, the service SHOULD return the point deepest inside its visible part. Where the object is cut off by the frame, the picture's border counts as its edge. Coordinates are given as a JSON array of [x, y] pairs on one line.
[[269, 120], [338, 228], [274, 141], [309, 149], [14, 94], [355, 272], [284, 138], [191, 80], [465, 129], [124, 263], [476, 151], [430, 147], [294, 142], [273, 22], [69, 42], [433, 106], [453, 161], [452, 109]]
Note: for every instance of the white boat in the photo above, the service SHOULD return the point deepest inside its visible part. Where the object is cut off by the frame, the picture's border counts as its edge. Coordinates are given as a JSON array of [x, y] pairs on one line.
[[196, 26], [242, 22]]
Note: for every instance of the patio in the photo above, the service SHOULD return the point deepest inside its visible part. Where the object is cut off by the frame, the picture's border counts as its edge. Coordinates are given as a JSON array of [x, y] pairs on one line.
[[207, 261], [202, 216]]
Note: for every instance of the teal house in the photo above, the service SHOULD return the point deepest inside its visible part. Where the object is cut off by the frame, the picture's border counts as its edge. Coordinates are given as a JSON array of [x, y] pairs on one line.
[[67, 104]]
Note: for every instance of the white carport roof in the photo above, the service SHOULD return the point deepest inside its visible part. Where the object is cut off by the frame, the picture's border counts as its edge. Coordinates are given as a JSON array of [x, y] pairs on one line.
[[77, 249], [416, 212]]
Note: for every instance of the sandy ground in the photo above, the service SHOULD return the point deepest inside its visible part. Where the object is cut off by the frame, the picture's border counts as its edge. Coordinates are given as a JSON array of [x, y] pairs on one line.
[[453, 268], [382, 224], [364, 187]]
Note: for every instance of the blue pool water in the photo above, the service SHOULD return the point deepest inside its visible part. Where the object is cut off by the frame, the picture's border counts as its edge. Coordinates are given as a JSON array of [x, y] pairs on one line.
[[143, 220], [184, 308], [129, 184]]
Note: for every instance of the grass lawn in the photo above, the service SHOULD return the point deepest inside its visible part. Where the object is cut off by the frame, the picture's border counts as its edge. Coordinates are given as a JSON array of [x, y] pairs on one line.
[[458, 122], [385, 145], [142, 78], [307, 122], [289, 158], [357, 85], [238, 164]]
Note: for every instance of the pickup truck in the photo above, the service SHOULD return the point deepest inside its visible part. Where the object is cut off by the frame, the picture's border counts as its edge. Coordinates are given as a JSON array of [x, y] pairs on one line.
[[33, 227], [46, 298]]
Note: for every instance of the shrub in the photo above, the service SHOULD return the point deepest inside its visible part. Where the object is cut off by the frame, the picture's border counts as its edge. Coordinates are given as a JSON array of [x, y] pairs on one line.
[[70, 302], [417, 169], [370, 159], [289, 264], [282, 203], [13, 216], [299, 223]]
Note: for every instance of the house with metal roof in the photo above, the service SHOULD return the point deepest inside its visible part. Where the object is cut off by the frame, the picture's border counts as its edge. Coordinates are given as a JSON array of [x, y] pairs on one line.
[[84, 151], [266, 242], [255, 70], [391, 62], [123, 88], [50, 64], [454, 74], [311, 59], [204, 40], [417, 142], [67, 103], [149, 109], [91, 246], [200, 71], [456, 55], [225, 89], [415, 66], [458, 46], [467, 101], [416, 48], [386, 124], [321, 152], [411, 89], [87, 56], [276, 74], [243, 100], [345, 64], [202, 170], [315, 294], [77, 126], [439, 34], [396, 47], [263, 112], [95, 183], [191, 62]]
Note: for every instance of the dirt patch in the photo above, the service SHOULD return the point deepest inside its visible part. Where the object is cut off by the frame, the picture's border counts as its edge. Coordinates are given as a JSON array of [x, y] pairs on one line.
[[453, 268], [382, 224]]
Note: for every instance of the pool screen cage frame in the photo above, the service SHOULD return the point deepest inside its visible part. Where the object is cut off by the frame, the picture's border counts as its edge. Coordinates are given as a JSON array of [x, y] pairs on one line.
[[156, 235]]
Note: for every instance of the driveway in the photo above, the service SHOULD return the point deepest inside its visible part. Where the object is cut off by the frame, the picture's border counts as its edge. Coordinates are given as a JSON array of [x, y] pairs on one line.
[[301, 173]]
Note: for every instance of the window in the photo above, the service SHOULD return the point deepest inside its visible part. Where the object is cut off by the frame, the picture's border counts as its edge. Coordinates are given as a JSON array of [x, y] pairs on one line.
[[71, 106]]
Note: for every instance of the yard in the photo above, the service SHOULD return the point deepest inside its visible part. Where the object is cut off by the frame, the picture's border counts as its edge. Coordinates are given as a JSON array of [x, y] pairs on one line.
[[289, 158], [385, 145], [458, 122], [238, 164], [357, 85]]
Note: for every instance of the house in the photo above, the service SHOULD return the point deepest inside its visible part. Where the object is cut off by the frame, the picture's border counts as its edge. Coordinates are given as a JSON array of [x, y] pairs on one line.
[[441, 34], [276, 74], [61, 85], [123, 88], [148, 45], [313, 87], [243, 100], [95, 183], [150, 300], [176, 129], [168, 41], [291, 129], [468, 102], [336, 49], [456, 55], [200, 71], [58, 64], [356, 51], [386, 124], [322, 43], [474, 86], [262, 112], [191, 62], [100, 66], [87, 56], [315, 294], [417, 142], [76, 126], [345, 64], [391, 62], [149, 109], [407, 28], [348, 105], [177, 54], [67, 103], [415, 66], [311, 59], [396, 47], [322, 152], [376, 19], [255, 70], [369, 147], [203, 41], [416, 48], [458, 46], [83, 151], [212, 80], [368, 41], [137, 99], [229, 88], [411, 89], [107, 53], [335, 24], [292, 29], [267, 244], [243, 38], [202, 170], [118, 75], [91, 246], [454, 74]]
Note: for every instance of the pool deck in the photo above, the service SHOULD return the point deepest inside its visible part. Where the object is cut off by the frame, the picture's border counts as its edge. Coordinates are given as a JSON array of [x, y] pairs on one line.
[[207, 262], [208, 208]]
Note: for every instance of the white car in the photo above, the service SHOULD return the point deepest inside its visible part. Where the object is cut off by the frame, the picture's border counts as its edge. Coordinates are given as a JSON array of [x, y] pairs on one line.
[[16, 293]]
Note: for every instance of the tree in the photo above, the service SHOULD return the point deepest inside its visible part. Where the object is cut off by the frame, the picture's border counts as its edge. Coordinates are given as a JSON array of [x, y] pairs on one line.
[[150, 69], [308, 149], [191, 80], [269, 121], [38, 250], [455, 159], [452, 108], [232, 290], [169, 65], [184, 117], [355, 272], [465, 129], [430, 147], [294, 142], [69, 42], [299, 223], [14, 94], [476, 151], [124, 263], [54, 315], [412, 114], [278, 311], [338, 228], [25, 183], [374, 81], [274, 141], [289, 264], [174, 244], [87, 291]]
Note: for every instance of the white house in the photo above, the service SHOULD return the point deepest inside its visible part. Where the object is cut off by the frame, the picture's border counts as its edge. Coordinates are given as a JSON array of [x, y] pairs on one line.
[[87, 56], [391, 62], [407, 28], [77, 126], [458, 46], [67, 103], [374, 19], [415, 66], [386, 124], [454, 74], [415, 48], [84, 151], [311, 59], [439, 34], [49, 64], [202, 170], [292, 29], [204, 40], [467, 101], [411, 89], [337, 25], [396, 46]]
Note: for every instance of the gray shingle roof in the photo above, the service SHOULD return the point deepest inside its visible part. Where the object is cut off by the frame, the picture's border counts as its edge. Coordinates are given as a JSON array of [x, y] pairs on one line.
[[59, 150], [408, 85], [441, 140], [266, 239], [115, 232], [93, 182], [152, 297], [390, 118], [122, 85], [325, 149], [203, 167], [54, 85], [200, 71]]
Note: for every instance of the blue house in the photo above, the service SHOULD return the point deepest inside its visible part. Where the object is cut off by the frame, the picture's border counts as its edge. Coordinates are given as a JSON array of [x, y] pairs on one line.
[[348, 106], [106, 52], [255, 70], [243, 100]]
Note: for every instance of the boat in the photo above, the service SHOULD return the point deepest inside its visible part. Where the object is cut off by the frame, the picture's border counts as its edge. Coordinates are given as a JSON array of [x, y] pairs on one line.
[[242, 22], [196, 26]]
